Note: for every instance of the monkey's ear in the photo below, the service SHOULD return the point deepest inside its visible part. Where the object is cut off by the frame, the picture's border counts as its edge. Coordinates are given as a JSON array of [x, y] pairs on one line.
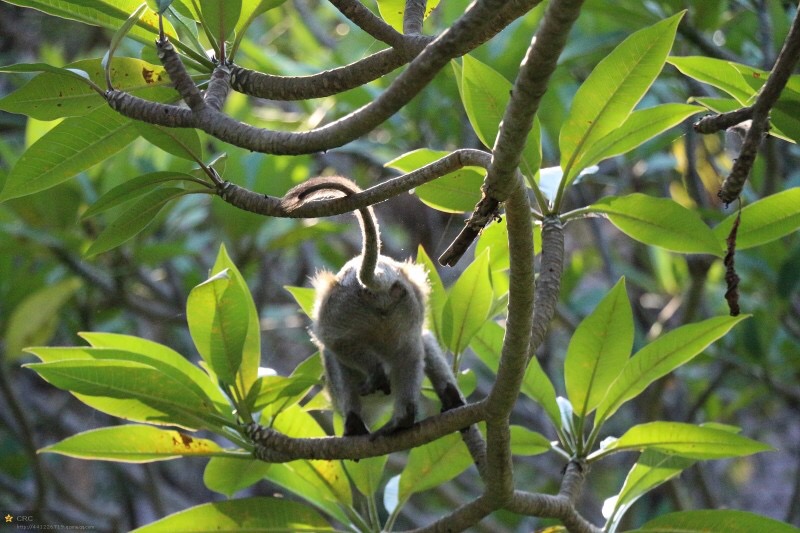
[[397, 290]]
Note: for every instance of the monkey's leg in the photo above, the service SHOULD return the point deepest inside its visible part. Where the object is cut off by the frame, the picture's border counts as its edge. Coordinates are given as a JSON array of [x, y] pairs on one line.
[[344, 385], [405, 377], [438, 371]]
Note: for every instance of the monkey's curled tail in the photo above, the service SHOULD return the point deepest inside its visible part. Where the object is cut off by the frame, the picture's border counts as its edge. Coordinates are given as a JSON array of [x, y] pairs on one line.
[[322, 187]]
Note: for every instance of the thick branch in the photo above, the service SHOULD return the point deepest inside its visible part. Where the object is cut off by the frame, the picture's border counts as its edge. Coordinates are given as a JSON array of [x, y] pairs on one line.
[[270, 206], [513, 359], [548, 286], [462, 518], [362, 17], [529, 87], [784, 65], [319, 85], [274, 447], [723, 121], [465, 34], [413, 16]]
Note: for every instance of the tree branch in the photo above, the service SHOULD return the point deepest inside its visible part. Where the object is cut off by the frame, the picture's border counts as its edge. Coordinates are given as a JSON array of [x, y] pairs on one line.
[[784, 65], [274, 447]]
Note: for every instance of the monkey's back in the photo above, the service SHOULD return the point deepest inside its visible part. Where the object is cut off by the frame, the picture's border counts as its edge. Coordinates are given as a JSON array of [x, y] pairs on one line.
[[359, 324]]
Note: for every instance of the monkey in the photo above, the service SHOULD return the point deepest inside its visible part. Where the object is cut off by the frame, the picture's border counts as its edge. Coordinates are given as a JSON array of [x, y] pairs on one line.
[[368, 321]]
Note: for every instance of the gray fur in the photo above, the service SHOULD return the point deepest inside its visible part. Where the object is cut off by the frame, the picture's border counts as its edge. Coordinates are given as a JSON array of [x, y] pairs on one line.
[[369, 326]]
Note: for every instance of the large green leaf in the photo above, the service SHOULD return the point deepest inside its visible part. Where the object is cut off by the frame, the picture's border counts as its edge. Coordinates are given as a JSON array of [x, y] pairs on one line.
[[605, 100], [527, 442], [321, 483], [367, 474], [661, 357], [641, 126], [128, 347], [598, 350], [34, 320], [247, 514], [134, 188], [218, 324], [221, 16], [243, 300], [228, 476], [110, 14], [180, 142], [455, 192], [133, 444], [433, 464], [134, 220], [715, 521], [304, 296], [717, 73], [127, 389], [685, 440], [659, 222], [437, 298], [764, 221], [468, 305], [76, 144], [651, 470], [485, 94], [63, 92], [537, 386]]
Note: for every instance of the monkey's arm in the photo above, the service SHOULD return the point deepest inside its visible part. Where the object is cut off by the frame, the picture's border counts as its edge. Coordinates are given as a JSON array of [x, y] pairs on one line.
[[438, 371]]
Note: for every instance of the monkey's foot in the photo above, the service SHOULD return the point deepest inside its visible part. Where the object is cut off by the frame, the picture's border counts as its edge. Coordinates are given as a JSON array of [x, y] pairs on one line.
[[354, 426], [400, 421]]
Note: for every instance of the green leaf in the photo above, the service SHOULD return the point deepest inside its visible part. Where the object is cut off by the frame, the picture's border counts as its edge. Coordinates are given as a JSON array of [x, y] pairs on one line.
[[133, 444], [243, 301], [218, 324], [659, 222], [641, 126], [246, 514], [537, 386], [367, 474], [134, 220], [117, 38], [133, 188], [685, 440], [34, 319], [304, 296], [717, 73], [455, 192], [527, 442], [765, 220], [661, 357], [221, 16], [228, 476], [598, 350], [321, 483], [180, 142], [485, 94], [76, 144], [651, 470], [433, 464], [60, 93], [164, 358], [392, 11], [605, 100], [715, 521], [109, 14], [437, 298], [130, 390], [468, 305]]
